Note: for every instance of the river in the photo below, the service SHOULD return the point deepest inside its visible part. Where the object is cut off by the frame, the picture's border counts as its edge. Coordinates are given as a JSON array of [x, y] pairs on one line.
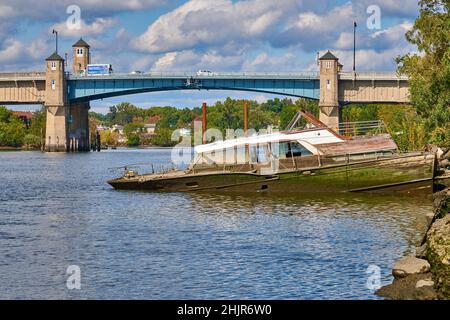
[[56, 210]]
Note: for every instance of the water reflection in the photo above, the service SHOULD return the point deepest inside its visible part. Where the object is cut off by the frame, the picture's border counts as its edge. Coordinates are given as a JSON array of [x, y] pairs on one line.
[[57, 210]]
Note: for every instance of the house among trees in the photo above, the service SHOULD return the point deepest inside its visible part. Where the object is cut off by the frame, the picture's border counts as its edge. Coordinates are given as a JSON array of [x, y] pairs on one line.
[[150, 126], [25, 116]]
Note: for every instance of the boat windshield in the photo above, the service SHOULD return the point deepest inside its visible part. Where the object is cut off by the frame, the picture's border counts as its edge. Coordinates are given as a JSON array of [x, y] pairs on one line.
[[262, 153], [292, 149]]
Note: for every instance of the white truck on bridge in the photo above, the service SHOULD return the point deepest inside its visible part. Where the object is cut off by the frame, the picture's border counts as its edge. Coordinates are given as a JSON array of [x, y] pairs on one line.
[[98, 69]]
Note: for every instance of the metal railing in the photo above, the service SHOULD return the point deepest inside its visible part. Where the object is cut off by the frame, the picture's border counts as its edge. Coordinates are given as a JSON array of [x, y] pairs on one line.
[[212, 75], [346, 75], [360, 128]]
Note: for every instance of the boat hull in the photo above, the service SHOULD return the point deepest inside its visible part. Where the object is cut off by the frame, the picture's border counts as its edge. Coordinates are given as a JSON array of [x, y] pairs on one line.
[[395, 174]]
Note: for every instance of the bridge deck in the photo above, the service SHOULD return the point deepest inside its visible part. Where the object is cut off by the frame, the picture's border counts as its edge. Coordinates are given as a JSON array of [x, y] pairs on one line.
[[363, 87]]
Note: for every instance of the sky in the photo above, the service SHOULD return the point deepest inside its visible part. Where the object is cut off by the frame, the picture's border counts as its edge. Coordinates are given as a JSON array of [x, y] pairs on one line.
[[217, 35]]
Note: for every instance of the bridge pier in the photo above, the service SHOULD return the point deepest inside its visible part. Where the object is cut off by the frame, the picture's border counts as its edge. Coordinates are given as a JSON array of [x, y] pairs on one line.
[[67, 127], [329, 67], [330, 116], [56, 138], [79, 126]]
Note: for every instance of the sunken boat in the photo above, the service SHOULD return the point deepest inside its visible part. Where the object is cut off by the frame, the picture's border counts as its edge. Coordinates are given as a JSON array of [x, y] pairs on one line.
[[313, 158]]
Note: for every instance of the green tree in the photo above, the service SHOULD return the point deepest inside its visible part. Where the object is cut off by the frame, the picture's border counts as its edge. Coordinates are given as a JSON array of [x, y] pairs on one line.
[[163, 137], [12, 132], [32, 141], [131, 129], [5, 114], [109, 138], [429, 71], [133, 140], [38, 122]]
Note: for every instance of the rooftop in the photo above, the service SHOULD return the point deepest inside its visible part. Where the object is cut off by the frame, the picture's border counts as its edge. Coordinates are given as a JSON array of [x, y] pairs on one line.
[[24, 114], [55, 56], [328, 56], [81, 43]]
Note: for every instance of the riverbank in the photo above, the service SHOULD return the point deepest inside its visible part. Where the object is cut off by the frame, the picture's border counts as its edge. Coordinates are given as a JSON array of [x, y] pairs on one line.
[[426, 276], [11, 148]]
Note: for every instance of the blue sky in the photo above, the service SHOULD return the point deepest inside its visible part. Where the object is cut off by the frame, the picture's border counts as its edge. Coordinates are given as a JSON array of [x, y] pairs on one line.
[[219, 35]]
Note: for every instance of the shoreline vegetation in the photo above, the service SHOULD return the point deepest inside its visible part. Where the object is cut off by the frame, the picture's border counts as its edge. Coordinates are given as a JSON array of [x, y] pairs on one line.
[[426, 276], [403, 122]]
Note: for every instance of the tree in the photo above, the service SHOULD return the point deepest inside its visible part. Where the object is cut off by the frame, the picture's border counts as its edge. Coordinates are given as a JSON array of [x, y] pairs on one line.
[[163, 137], [133, 140], [429, 71], [38, 122], [109, 138], [32, 141], [131, 129], [12, 132], [5, 114]]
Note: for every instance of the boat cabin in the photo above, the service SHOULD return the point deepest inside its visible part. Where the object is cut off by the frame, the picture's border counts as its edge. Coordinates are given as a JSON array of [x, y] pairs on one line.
[[292, 149]]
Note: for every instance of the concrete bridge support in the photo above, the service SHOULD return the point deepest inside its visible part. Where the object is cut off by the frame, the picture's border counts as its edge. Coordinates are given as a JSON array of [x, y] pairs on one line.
[[329, 104], [330, 115], [67, 127], [79, 127], [56, 132]]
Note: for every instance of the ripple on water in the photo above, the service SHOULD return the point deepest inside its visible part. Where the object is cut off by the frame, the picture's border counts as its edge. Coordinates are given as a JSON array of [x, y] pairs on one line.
[[57, 210]]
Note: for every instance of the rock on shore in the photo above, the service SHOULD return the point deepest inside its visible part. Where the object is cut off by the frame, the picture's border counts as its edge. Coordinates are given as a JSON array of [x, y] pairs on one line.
[[438, 254], [410, 265], [420, 279]]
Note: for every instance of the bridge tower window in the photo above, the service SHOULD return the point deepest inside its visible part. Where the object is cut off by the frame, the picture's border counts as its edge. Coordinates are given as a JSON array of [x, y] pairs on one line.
[[328, 84], [328, 64], [79, 52], [53, 84], [53, 66]]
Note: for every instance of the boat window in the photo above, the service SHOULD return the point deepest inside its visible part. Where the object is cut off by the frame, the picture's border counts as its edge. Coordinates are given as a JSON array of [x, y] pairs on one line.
[[241, 155], [299, 150], [292, 149], [283, 150], [258, 154]]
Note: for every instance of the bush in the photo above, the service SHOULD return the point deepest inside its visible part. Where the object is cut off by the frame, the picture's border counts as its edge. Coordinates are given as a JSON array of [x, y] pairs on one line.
[[31, 141], [133, 140]]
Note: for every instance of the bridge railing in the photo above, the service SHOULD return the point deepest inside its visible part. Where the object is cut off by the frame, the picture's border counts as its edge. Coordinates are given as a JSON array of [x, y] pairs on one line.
[[21, 75], [233, 75], [345, 75]]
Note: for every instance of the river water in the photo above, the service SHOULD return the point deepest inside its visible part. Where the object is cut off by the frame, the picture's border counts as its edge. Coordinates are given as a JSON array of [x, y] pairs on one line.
[[56, 210]]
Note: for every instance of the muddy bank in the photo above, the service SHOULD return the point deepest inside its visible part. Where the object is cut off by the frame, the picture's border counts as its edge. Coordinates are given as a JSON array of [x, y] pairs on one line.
[[426, 276]]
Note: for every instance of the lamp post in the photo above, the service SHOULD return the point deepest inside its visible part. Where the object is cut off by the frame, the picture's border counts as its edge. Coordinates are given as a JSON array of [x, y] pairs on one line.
[[56, 33], [354, 45]]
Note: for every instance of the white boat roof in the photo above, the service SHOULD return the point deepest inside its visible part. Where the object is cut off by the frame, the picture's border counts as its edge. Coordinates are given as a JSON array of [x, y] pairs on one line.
[[313, 137]]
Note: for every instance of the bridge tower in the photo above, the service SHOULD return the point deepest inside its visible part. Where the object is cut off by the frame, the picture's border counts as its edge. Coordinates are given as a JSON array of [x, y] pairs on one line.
[[79, 112], [56, 133], [329, 104], [81, 57]]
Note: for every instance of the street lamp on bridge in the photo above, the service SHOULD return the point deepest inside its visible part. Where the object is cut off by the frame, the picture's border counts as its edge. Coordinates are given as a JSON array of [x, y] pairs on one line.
[[354, 45], [56, 32]]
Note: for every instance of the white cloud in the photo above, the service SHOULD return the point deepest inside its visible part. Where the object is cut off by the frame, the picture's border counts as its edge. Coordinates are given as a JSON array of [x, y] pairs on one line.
[[6, 11], [264, 62], [13, 49], [391, 37], [221, 35], [390, 8], [98, 26], [372, 60], [15, 55], [51, 9], [189, 60], [213, 23]]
